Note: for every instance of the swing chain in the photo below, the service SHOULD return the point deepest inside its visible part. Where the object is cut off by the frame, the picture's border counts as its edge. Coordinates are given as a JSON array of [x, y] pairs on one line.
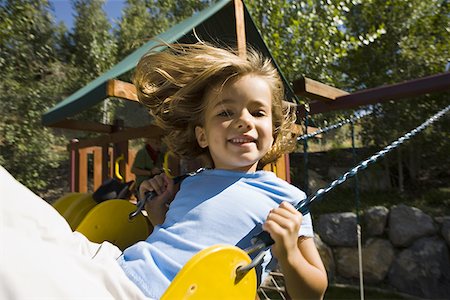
[[304, 207], [334, 126]]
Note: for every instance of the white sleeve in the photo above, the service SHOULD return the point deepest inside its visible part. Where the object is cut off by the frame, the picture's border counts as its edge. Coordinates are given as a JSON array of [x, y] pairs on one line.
[[306, 229]]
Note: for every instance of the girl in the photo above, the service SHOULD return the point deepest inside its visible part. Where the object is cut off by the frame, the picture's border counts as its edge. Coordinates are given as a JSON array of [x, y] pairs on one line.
[[230, 109]]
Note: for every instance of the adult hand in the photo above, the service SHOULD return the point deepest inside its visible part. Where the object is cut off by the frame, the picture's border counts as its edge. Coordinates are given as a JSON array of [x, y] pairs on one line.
[[155, 171]]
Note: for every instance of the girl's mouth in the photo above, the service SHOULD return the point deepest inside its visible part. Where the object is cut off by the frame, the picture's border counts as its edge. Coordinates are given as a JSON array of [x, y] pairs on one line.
[[242, 140]]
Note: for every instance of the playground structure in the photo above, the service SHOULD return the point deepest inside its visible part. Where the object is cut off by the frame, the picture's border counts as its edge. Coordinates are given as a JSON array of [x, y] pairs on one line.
[[226, 21]]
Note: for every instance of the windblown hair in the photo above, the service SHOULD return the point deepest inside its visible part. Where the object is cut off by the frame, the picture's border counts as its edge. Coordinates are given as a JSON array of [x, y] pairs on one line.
[[173, 83]]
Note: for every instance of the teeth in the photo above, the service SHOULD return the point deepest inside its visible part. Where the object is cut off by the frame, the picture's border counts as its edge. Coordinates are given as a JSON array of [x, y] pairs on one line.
[[241, 140]]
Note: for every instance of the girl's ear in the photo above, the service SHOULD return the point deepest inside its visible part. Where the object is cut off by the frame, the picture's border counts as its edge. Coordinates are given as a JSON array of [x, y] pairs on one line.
[[201, 137]]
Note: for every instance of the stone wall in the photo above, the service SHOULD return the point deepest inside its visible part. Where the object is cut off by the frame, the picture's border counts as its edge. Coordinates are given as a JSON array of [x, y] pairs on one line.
[[403, 248]]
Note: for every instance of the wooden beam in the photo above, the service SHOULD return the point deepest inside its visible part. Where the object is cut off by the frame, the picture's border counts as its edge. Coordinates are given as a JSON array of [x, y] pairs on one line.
[[121, 89], [412, 88], [120, 136], [316, 90], [240, 28], [83, 126]]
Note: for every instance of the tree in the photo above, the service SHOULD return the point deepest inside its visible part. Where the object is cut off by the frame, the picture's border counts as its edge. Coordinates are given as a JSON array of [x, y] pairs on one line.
[[143, 20], [92, 50], [31, 79], [134, 27], [415, 45], [94, 47]]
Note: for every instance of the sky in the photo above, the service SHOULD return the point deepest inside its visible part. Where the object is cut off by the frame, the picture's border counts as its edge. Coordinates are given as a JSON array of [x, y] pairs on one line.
[[63, 11]]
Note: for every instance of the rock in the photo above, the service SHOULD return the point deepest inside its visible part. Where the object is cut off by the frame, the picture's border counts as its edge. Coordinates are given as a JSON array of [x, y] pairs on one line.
[[377, 257], [315, 181], [445, 231], [347, 262], [374, 220], [327, 256], [407, 224], [423, 269], [337, 229]]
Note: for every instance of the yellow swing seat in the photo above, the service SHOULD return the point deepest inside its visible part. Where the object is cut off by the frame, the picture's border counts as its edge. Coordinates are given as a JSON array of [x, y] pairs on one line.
[[108, 221], [211, 274], [74, 207]]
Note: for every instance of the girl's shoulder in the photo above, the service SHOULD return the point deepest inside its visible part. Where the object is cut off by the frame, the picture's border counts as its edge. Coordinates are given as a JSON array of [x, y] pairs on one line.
[[265, 180]]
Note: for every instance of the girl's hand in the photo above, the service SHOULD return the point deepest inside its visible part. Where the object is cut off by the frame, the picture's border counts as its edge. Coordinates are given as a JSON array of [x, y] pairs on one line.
[[165, 193], [283, 224]]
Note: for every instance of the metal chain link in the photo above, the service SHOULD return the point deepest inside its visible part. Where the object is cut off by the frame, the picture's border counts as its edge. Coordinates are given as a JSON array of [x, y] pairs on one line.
[[304, 206], [334, 126]]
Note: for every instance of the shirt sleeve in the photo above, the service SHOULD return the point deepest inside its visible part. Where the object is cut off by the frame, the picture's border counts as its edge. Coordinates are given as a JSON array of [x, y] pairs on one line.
[[306, 229]]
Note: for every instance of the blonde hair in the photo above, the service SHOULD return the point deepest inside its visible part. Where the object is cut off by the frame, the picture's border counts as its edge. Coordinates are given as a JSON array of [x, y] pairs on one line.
[[173, 83]]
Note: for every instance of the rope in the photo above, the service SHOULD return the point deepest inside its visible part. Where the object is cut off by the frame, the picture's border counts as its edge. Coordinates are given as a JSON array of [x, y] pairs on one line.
[[334, 126], [304, 206], [358, 220], [305, 151]]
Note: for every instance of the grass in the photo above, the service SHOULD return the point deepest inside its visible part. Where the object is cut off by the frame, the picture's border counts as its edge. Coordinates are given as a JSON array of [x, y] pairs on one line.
[[350, 293], [338, 292]]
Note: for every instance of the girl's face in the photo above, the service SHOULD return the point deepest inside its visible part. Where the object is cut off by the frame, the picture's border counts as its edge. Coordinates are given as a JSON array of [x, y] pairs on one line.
[[238, 123]]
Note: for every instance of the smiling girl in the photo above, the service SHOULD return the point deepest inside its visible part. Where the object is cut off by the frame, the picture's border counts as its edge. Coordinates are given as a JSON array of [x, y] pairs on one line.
[[213, 103]]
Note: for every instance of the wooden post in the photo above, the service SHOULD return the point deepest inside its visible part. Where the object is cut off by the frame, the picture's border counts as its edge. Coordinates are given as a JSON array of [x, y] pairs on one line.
[[98, 167], [106, 168], [240, 27], [120, 148], [82, 171], [74, 159]]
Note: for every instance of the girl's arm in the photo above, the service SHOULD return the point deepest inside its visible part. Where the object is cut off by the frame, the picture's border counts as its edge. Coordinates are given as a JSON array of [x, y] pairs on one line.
[[158, 206], [299, 260]]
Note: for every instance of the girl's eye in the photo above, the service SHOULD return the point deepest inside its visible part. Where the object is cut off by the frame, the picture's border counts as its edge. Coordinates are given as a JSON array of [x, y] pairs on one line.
[[259, 113], [225, 113]]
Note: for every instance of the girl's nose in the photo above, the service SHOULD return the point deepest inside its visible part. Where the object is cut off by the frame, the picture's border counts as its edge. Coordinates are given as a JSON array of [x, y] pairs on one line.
[[244, 121]]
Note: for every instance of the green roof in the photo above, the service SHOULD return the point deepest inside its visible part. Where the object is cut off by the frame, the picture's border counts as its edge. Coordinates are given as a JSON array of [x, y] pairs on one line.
[[214, 24]]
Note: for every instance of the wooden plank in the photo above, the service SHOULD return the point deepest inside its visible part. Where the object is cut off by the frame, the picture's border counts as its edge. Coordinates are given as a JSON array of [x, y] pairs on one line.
[[74, 171], [83, 126], [150, 131], [316, 90], [240, 28], [121, 89], [106, 169], [98, 167], [82, 171], [412, 88]]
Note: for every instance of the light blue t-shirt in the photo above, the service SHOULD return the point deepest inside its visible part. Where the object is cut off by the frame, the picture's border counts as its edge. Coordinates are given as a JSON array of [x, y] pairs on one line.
[[212, 207]]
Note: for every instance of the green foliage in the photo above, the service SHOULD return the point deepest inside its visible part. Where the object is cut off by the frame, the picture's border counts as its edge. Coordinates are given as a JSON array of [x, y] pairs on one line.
[[309, 37], [135, 26], [31, 76], [94, 48], [414, 45], [142, 20]]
